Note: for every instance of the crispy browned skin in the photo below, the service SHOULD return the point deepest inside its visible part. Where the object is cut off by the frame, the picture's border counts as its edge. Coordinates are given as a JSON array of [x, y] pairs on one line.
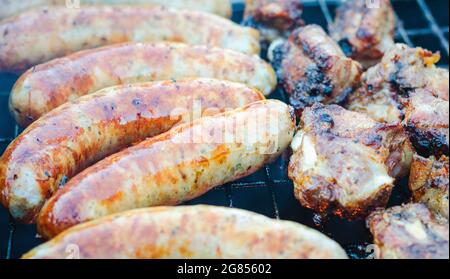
[[187, 233], [273, 18], [43, 34], [364, 33], [409, 232], [174, 167], [219, 7], [402, 70], [312, 68], [49, 85], [344, 162], [429, 183], [427, 123], [78, 134]]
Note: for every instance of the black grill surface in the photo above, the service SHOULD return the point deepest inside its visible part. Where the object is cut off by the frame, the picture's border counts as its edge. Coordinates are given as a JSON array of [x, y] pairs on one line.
[[269, 191]]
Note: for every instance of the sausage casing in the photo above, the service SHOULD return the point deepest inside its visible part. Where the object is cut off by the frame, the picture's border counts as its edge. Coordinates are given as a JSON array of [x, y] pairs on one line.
[[49, 85], [189, 232], [174, 167], [40, 35], [218, 7], [77, 134]]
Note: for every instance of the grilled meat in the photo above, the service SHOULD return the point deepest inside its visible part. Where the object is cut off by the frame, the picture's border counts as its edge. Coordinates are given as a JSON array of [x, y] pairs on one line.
[[427, 123], [344, 161], [402, 70], [409, 232], [364, 33], [273, 18], [191, 232], [52, 84], [219, 7], [78, 134], [312, 68], [174, 167], [38, 36], [429, 183]]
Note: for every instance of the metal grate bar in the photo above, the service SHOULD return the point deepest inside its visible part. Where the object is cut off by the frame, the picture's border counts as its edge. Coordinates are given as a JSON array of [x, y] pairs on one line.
[[422, 31], [5, 140], [12, 230], [326, 12], [433, 25], [272, 194], [12, 222], [229, 195]]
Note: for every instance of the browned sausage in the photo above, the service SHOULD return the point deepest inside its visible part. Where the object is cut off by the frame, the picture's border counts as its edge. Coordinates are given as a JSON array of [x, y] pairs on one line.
[[49, 85], [174, 167], [77, 134]]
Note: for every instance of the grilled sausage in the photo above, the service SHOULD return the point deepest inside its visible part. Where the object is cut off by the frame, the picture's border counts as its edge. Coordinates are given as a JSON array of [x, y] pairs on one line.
[[40, 35], [189, 232], [274, 19], [174, 167], [345, 162], [312, 68], [429, 181], [219, 7], [78, 134], [47, 86]]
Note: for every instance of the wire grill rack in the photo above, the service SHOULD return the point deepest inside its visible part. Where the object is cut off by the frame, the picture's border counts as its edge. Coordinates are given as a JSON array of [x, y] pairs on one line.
[[269, 192]]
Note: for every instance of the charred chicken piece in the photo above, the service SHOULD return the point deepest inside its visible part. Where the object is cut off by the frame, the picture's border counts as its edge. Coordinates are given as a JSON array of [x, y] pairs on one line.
[[274, 19], [429, 183], [427, 123], [364, 33], [344, 162], [312, 68], [402, 70], [409, 232]]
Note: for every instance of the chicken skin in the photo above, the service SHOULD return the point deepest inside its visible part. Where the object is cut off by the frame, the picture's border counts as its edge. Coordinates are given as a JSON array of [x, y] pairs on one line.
[[427, 122], [386, 86], [312, 68], [408, 232], [364, 33], [429, 183], [274, 19], [344, 162]]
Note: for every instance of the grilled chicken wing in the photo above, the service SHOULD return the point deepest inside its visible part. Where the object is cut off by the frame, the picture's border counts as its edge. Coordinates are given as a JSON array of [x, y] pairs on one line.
[[429, 183], [312, 68], [427, 123], [409, 232], [402, 70], [364, 33], [344, 161], [273, 18]]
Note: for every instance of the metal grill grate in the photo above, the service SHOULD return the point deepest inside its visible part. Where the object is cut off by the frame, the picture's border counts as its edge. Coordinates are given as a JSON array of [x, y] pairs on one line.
[[268, 192]]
